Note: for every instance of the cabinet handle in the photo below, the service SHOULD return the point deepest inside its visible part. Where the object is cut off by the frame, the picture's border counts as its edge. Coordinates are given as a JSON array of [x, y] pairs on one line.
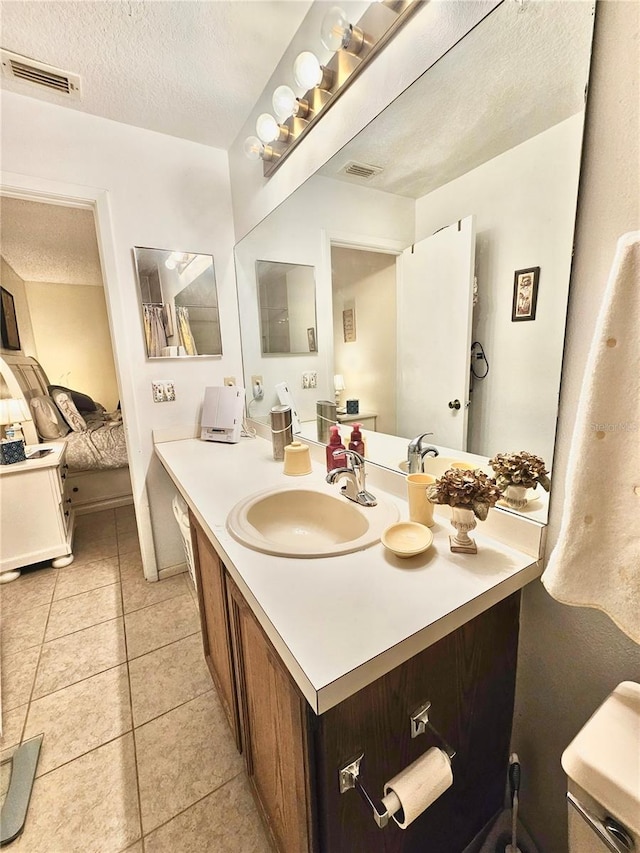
[[68, 501]]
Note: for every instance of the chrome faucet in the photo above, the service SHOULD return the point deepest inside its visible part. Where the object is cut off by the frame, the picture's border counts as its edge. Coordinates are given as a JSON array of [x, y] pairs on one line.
[[354, 488], [416, 453]]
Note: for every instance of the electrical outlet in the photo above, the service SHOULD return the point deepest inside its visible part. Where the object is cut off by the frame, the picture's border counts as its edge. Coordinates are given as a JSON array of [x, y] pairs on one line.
[[310, 379], [164, 391], [229, 380], [256, 385]]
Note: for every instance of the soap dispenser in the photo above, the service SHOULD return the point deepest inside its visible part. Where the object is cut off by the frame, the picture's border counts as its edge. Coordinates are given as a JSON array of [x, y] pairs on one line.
[[356, 441], [335, 443]]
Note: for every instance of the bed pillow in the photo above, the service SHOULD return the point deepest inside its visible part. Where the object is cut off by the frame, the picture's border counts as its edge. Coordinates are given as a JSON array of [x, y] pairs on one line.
[[82, 402], [68, 410], [50, 424]]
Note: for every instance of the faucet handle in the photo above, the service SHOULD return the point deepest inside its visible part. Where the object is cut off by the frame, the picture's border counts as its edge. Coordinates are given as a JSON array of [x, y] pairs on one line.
[[356, 458]]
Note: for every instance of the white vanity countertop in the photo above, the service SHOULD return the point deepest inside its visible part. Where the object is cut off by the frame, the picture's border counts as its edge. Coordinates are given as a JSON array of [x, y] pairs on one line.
[[339, 623]]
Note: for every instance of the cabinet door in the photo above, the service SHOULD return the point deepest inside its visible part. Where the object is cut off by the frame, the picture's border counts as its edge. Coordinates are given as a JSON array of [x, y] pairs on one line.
[[214, 618], [274, 719]]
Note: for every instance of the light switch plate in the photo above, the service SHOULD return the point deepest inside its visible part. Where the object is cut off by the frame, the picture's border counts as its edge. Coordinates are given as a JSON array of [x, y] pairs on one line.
[[164, 391], [310, 379]]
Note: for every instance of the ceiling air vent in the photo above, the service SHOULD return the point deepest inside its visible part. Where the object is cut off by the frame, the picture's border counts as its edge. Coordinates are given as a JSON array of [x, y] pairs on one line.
[[360, 170], [39, 74]]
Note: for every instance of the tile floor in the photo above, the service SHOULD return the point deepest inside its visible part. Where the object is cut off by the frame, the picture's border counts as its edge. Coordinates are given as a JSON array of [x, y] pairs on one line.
[[137, 754]]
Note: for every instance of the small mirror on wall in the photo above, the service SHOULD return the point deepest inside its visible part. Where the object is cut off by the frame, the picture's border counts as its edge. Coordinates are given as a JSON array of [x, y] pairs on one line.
[[287, 302], [179, 303]]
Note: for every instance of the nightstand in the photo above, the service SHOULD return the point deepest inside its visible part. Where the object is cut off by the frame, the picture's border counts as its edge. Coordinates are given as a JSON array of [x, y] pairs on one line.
[[36, 521], [368, 420]]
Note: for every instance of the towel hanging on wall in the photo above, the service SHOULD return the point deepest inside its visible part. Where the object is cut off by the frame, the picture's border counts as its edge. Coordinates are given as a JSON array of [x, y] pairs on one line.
[[596, 560]]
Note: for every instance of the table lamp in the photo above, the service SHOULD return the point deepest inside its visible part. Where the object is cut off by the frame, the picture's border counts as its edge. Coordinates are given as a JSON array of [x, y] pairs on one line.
[[12, 413], [338, 385]]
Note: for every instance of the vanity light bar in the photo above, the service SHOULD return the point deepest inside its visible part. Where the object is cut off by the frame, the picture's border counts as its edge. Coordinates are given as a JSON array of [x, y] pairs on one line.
[[362, 41]]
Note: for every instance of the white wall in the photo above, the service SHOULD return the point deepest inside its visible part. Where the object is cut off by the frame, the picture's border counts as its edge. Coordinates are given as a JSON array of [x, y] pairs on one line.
[[12, 282], [366, 282], [163, 192], [570, 658], [524, 202], [71, 331], [298, 233]]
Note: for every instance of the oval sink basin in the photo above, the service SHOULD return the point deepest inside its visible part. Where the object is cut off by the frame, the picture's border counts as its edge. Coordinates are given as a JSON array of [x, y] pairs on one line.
[[295, 522]]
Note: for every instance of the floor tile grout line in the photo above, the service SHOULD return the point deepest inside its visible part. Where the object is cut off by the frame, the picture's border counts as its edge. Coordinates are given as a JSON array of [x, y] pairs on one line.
[[86, 628], [92, 589], [173, 708], [195, 803], [161, 601], [79, 681], [133, 728], [83, 754], [164, 645]]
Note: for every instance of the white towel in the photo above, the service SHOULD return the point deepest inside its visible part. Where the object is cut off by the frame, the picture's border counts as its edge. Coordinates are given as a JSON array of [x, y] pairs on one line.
[[596, 560]]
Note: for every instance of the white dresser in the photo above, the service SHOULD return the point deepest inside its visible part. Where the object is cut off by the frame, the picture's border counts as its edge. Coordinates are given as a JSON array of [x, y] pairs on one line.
[[36, 516]]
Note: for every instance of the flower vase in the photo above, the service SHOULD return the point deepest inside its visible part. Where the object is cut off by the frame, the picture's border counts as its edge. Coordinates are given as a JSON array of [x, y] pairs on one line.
[[463, 520], [516, 497]]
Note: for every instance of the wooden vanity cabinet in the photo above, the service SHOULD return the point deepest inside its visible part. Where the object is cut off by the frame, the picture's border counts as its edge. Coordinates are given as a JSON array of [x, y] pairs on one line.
[[214, 620], [292, 755], [275, 731]]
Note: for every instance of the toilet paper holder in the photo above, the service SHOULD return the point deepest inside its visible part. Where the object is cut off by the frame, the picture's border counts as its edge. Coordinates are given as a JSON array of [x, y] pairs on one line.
[[349, 775]]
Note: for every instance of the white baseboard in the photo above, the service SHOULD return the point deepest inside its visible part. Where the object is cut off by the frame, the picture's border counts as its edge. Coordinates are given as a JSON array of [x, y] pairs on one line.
[[170, 571]]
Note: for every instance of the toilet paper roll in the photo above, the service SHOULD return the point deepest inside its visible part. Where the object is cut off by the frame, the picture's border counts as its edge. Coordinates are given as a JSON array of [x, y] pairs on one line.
[[420, 784]]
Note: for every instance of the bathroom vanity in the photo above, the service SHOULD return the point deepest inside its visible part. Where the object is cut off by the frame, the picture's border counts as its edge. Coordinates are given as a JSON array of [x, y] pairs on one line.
[[317, 661]]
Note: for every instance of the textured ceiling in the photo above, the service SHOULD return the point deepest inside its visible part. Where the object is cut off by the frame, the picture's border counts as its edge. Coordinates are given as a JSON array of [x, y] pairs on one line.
[[49, 242], [185, 68], [522, 70]]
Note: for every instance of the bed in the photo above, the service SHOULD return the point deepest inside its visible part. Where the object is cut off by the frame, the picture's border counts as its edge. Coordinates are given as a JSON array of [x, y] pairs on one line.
[[96, 448]]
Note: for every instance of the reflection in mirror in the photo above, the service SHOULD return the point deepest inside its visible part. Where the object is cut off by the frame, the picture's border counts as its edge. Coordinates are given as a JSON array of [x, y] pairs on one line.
[[465, 194], [287, 300], [179, 303]]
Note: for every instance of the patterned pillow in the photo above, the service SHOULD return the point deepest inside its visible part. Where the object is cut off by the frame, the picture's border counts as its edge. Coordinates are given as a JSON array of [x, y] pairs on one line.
[[68, 410], [82, 402], [50, 424]]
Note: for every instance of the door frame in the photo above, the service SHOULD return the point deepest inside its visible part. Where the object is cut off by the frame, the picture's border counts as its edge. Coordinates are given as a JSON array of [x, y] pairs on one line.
[[33, 188]]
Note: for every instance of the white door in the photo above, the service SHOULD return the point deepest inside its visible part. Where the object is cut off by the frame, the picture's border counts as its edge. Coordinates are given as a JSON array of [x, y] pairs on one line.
[[435, 305]]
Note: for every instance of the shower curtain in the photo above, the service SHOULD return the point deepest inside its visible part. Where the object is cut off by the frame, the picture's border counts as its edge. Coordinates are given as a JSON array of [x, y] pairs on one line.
[[154, 330], [184, 329]]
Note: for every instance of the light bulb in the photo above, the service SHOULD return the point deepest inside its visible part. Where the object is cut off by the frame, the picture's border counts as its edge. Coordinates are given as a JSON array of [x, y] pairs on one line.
[[307, 70], [284, 102], [253, 148], [267, 128], [170, 263], [335, 30]]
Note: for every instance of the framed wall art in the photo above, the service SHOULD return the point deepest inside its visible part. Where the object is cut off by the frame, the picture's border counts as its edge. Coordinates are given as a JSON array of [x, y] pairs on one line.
[[525, 294], [8, 322]]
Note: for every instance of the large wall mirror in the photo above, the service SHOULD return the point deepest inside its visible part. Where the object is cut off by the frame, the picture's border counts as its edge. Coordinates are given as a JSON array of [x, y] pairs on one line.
[[179, 303], [459, 214]]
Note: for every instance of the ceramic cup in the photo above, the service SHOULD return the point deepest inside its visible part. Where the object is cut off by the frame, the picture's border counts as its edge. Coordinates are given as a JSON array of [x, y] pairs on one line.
[[420, 507], [464, 466], [297, 459]]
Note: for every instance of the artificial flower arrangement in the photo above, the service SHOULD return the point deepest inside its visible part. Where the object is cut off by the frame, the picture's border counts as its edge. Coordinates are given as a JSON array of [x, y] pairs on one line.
[[520, 469], [466, 489]]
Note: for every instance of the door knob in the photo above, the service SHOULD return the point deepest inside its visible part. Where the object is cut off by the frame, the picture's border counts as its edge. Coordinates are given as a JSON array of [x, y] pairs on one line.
[[454, 404]]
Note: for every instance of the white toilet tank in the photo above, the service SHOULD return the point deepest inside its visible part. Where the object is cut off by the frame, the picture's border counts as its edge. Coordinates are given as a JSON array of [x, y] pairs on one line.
[[603, 768]]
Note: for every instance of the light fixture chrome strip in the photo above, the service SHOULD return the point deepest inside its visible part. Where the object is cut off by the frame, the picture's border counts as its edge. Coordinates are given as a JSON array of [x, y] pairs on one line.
[[345, 67]]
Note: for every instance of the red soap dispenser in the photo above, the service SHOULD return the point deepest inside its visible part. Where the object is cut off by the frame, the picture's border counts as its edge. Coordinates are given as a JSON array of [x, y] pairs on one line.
[[356, 443], [335, 443]]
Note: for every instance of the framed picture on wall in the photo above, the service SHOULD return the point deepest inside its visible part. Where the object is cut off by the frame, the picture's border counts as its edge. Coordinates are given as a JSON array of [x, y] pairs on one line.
[[525, 294], [8, 323], [311, 338], [349, 325]]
